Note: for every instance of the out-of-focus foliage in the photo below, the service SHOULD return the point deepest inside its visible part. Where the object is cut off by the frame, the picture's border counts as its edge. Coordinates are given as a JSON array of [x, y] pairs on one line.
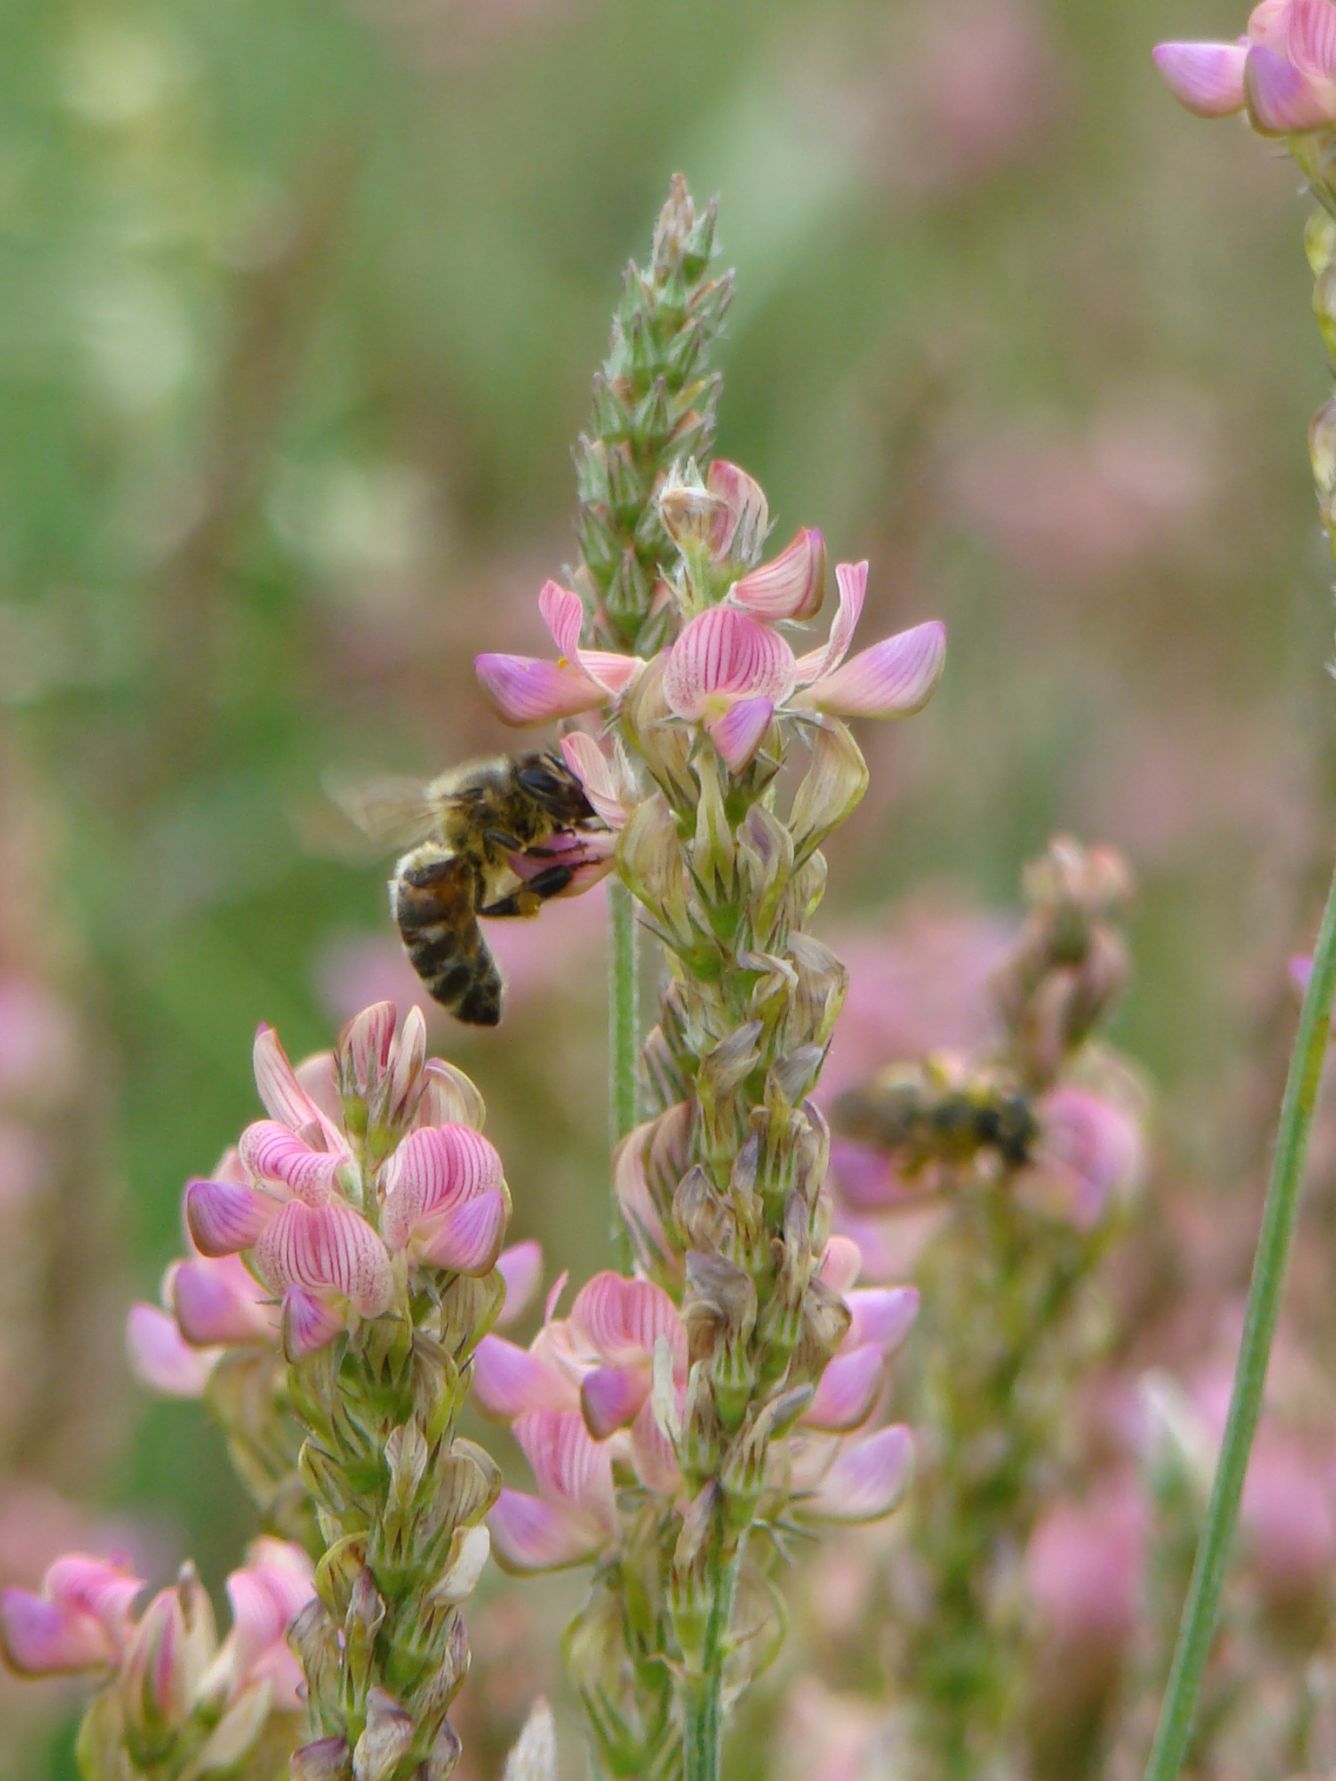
[[301, 300]]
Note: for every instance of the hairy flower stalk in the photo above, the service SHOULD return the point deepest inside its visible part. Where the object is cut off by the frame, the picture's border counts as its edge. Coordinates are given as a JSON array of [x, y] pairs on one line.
[[1282, 72], [1030, 1151], [682, 1423], [351, 1245]]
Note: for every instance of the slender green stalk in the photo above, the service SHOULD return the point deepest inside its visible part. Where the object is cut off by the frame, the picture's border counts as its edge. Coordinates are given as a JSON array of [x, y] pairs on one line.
[[703, 1741], [1264, 1295]]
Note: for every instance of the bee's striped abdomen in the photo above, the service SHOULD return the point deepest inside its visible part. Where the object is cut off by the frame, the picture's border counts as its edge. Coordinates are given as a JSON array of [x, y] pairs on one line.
[[435, 897]]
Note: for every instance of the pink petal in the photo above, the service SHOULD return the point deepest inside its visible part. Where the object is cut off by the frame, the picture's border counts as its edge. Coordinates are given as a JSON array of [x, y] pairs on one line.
[[215, 1306], [851, 578], [1310, 36], [847, 1389], [740, 731], [468, 1238], [364, 1046], [521, 1267], [1206, 77], [41, 1638], [263, 1607], [895, 678], [223, 1218], [632, 1189], [881, 1314], [283, 1095], [434, 1169], [742, 517], [723, 655], [569, 1465], [592, 767], [160, 1355], [102, 1587], [614, 673], [531, 1535], [448, 1097], [274, 1154], [564, 615], [509, 1380], [1282, 99], [790, 586], [309, 1321], [327, 1249], [866, 1479], [526, 690], [652, 1453], [841, 1264], [621, 1319], [611, 1397]]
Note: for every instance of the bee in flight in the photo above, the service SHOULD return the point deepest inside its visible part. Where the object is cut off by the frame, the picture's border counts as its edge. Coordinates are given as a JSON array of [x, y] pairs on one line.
[[492, 838]]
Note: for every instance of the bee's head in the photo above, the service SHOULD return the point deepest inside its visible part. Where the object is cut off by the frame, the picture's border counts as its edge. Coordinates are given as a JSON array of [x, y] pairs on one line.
[[549, 782]]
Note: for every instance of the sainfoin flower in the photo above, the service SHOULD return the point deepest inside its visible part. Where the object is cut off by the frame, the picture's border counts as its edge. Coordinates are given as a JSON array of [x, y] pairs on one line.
[[584, 1393], [1283, 71], [79, 1621], [731, 673], [532, 690]]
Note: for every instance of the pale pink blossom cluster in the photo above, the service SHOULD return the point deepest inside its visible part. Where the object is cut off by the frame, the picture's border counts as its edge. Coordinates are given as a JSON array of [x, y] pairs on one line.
[[166, 1657], [307, 1227], [1282, 71], [730, 670], [597, 1398]]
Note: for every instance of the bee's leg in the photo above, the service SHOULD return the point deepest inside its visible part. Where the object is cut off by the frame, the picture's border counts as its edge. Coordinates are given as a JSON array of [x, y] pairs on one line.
[[533, 893]]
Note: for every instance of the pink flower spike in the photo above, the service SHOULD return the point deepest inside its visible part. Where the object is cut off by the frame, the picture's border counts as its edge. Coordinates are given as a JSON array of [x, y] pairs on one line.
[[509, 1380], [724, 655], [160, 1355], [611, 1398], [217, 1303], [1206, 77], [894, 678], [330, 1250], [740, 731], [606, 781], [275, 1155], [223, 1218], [790, 586], [866, 1479], [521, 1267], [467, 1238], [80, 1621], [882, 1314], [1284, 100], [529, 1534], [847, 1390]]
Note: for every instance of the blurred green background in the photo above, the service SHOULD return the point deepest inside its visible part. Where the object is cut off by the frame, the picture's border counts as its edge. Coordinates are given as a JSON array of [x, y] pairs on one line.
[[300, 305]]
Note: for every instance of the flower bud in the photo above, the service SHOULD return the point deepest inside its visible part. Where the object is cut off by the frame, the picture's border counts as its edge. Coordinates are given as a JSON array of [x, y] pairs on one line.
[[328, 1759], [169, 1655], [387, 1739]]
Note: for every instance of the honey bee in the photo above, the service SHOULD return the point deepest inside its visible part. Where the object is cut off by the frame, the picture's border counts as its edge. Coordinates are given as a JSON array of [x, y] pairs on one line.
[[920, 1120], [491, 838]]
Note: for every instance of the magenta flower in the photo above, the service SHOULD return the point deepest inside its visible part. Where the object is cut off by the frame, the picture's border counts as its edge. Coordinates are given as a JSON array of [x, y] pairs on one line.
[[81, 1620], [789, 586], [531, 690], [574, 1515], [266, 1596], [730, 673], [858, 1480], [1283, 72], [329, 1268], [1090, 1151]]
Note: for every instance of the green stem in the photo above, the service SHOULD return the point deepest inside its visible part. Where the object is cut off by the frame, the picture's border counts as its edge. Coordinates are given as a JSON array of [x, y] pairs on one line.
[[703, 1741], [1264, 1295]]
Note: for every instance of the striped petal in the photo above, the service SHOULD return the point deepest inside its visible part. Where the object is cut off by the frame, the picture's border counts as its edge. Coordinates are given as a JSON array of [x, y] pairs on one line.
[[468, 1238], [224, 1218], [284, 1097], [790, 586], [741, 515], [309, 1321], [895, 678], [621, 1319], [1206, 77], [434, 1169], [851, 579], [528, 690], [723, 655], [327, 1249], [604, 786], [1284, 100], [274, 1154], [1310, 36], [529, 1534], [509, 1381], [740, 731], [571, 1468], [866, 1479]]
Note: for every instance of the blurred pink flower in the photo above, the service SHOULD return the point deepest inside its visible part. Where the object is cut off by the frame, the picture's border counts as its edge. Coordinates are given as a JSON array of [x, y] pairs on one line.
[[80, 1620], [573, 1516], [1083, 1567], [1283, 71]]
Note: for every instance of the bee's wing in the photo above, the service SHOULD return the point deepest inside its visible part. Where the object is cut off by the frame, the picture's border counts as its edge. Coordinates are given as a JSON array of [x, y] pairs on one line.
[[392, 812]]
